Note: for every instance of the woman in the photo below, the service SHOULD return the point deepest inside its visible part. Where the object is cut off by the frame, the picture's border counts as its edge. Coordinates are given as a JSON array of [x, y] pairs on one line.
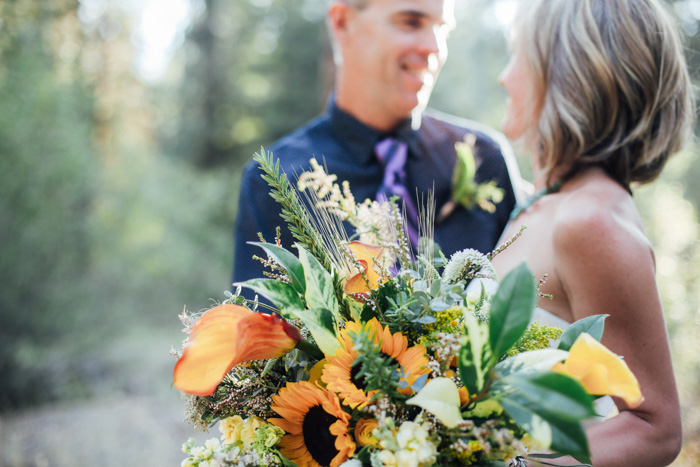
[[600, 93]]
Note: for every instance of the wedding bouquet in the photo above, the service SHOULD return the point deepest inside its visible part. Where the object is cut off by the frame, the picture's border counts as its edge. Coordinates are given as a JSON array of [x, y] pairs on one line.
[[366, 353]]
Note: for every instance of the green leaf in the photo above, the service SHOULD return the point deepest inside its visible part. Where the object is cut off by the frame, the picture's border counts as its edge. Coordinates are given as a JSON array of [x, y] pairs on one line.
[[559, 435], [463, 185], [281, 294], [440, 397], [323, 327], [286, 462], [556, 395], [319, 283], [511, 309], [585, 460], [475, 357], [530, 362], [288, 261], [592, 325]]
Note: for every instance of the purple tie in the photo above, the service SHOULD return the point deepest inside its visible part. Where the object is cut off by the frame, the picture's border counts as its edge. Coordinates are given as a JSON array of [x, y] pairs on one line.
[[392, 154]]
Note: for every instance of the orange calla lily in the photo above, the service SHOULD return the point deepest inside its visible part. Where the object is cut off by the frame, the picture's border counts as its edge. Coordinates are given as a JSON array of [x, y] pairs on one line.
[[600, 371], [365, 254], [225, 336]]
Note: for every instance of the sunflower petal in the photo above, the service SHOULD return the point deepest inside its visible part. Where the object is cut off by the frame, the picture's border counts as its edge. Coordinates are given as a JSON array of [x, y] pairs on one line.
[[225, 336]]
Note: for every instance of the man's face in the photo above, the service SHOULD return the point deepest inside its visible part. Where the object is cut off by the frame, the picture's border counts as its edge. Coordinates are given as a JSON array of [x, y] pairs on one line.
[[392, 53]]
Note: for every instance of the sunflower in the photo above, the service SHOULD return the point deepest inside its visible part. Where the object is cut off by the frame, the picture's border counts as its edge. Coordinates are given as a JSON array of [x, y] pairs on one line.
[[340, 375], [316, 426]]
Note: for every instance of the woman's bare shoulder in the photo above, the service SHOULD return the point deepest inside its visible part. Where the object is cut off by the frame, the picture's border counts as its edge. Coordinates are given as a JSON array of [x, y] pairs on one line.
[[598, 217]]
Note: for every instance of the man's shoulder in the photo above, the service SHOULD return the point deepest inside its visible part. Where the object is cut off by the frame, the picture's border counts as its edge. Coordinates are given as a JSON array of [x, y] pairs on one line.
[[434, 120], [294, 149]]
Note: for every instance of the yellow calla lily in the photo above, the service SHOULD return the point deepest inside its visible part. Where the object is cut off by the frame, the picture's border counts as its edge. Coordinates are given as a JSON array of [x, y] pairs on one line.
[[365, 254], [225, 336], [600, 371], [440, 397]]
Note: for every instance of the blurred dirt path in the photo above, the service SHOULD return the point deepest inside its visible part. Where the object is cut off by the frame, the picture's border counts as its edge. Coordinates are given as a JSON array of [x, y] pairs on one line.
[[141, 431], [134, 419]]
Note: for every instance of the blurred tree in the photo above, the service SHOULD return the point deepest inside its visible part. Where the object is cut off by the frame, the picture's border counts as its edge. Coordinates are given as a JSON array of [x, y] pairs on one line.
[[46, 170], [468, 85], [253, 70]]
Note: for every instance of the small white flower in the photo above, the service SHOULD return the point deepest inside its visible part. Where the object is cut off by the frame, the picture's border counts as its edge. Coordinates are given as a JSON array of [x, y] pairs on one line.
[[406, 458], [212, 444], [351, 463], [387, 457], [463, 261]]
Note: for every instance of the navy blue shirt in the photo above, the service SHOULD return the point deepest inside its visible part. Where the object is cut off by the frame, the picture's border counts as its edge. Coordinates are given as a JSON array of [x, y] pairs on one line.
[[346, 147]]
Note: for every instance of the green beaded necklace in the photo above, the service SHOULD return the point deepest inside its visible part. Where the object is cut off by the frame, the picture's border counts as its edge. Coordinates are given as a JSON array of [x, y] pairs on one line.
[[522, 207]]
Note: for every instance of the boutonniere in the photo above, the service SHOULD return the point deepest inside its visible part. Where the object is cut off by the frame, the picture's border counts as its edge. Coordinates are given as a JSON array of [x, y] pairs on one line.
[[465, 190]]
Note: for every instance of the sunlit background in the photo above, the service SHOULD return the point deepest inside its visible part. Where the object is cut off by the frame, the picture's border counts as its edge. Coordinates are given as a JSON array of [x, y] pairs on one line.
[[123, 128]]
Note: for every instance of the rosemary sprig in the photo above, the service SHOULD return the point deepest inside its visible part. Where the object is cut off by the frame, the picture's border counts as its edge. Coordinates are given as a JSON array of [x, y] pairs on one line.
[[293, 212], [296, 216]]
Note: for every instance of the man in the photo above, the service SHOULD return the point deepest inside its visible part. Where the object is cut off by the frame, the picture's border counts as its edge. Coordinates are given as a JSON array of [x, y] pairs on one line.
[[388, 54]]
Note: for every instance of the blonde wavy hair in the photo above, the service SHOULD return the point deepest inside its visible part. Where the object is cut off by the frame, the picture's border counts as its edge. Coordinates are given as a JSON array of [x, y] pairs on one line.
[[613, 85]]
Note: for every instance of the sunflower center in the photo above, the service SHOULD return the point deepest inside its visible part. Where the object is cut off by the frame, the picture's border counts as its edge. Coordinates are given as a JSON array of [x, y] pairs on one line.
[[359, 381], [317, 435]]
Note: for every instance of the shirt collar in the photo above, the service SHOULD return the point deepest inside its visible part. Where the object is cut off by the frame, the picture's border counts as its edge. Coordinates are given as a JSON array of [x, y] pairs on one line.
[[359, 138]]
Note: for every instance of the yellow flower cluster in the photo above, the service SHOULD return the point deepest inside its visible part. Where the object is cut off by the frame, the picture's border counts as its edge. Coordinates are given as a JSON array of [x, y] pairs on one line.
[[448, 321], [236, 429], [537, 336]]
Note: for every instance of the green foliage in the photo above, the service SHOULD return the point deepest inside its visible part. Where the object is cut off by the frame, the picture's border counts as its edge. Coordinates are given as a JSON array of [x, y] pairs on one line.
[[593, 325], [536, 336], [296, 217], [465, 190], [289, 263], [320, 291], [377, 370], [293, 212], [282, 295], [475, 357], [548, 405], [511, 310]]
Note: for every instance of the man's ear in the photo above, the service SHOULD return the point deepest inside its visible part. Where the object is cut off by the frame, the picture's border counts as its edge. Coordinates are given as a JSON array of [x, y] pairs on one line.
[[339, 13]]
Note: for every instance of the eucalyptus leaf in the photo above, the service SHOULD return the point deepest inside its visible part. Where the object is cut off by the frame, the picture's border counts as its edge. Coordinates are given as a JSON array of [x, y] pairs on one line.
[[511, 309], [593, 325], [419, 383], [288, 261], [427, 319], [319, 283], [435, 287], [438, 305], [323, 327], [282, 295]]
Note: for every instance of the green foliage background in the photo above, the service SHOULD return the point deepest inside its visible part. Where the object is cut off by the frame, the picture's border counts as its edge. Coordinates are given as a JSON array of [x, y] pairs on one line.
[[118, 194]]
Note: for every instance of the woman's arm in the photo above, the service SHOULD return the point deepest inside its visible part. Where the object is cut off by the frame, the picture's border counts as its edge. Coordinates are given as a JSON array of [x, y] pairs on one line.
[[606, 265]]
